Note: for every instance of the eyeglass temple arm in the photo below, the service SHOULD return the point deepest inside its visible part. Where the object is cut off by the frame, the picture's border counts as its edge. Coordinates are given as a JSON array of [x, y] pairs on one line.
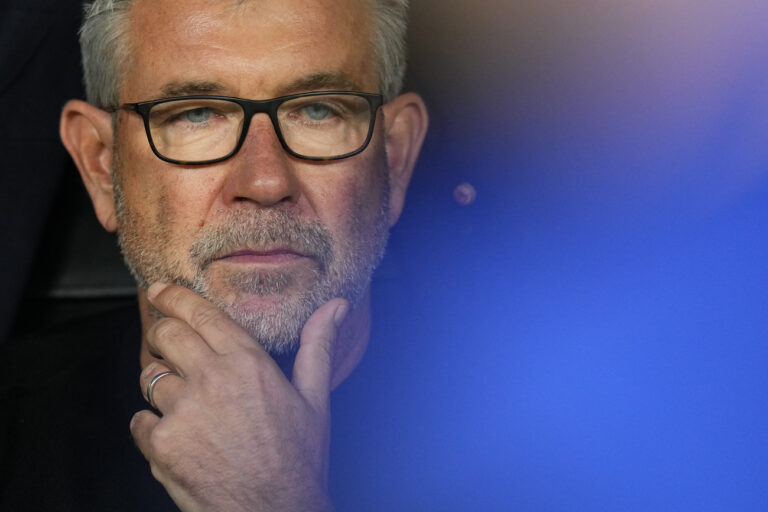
[[125, 106]]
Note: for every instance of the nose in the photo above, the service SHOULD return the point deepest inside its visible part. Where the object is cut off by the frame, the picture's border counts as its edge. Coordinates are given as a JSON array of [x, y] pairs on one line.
[[262, 172]]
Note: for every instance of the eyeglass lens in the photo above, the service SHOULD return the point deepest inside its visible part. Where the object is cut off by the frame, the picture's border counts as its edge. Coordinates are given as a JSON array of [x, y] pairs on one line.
[[323, 126]]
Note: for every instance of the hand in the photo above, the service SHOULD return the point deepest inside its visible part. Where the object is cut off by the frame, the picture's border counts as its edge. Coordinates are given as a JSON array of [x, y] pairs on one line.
[[235, 434]]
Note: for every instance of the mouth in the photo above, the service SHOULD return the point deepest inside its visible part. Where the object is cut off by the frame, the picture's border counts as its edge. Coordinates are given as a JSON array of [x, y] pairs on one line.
[[276, 256]]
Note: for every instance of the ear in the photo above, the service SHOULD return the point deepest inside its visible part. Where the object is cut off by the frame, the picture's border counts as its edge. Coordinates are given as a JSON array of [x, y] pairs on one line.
[[405, 124], [86, 132]]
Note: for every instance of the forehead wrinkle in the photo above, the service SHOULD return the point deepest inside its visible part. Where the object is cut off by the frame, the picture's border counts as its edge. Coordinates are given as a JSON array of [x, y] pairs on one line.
[[242, 80]]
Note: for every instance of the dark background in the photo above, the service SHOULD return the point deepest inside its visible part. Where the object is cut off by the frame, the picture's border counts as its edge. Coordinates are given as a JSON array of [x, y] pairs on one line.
[[596, 318]]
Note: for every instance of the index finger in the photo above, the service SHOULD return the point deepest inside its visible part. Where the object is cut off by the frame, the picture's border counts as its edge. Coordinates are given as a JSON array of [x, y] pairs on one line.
[[216, 327]]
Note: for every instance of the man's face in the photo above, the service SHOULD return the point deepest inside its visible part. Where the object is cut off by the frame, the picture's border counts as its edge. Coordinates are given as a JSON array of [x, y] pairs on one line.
[[266, 236]]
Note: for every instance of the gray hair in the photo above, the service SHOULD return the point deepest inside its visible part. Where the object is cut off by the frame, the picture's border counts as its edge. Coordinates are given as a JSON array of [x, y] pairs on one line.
[[105, 51]]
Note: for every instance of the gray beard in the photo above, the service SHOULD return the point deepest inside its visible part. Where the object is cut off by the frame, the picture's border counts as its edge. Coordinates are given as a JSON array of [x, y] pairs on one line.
[[341, 270]]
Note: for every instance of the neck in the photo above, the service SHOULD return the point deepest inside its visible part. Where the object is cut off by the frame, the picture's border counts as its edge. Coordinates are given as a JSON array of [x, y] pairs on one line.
[[351, 342]]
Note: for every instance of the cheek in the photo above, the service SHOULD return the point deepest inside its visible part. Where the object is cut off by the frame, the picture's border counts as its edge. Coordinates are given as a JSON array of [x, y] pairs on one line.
[[165, 193], [171, 205], [354, 204]]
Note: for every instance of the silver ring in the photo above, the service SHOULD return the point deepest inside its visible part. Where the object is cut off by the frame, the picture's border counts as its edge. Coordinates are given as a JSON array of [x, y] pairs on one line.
[[151, 386]]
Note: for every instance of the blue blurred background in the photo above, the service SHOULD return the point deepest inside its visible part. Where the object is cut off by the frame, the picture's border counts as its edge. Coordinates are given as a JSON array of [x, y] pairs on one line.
[[603, 302], [591, 334]]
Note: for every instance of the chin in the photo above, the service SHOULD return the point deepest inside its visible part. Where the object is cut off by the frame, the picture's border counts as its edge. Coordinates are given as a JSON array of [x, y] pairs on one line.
[[274, 320]]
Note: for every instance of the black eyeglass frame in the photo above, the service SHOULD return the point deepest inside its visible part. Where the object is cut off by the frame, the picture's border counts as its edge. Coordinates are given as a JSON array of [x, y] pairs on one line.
[[251, 108]]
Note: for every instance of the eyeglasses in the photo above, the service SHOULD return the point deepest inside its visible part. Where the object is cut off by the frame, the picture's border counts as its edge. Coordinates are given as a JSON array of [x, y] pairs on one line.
[[197, 130]]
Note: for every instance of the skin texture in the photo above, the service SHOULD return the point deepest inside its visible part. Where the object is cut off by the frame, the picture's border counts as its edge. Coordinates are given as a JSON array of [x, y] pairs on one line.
[[234, 433], [229, 44], [289, 432]]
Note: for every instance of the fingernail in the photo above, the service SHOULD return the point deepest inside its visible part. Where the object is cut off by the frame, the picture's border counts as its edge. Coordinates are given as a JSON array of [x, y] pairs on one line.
[[155, 289], [341, 313]]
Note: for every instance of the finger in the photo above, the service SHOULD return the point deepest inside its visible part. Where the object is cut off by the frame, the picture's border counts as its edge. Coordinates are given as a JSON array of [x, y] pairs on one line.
[[164, 388], [313, 366], [216, 327], [142, 425], [179, 345]]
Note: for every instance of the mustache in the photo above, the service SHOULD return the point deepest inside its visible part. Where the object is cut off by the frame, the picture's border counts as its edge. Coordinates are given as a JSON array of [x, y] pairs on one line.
[[260, 230]]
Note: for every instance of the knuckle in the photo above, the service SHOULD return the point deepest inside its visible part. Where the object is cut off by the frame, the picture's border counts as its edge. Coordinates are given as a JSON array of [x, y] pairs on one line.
[[205, 316], [323, 353], [169, 331], [164, 328], [150, 371], [188, 407], [321, 345], [324, 340], [170, 296], [160, 442]]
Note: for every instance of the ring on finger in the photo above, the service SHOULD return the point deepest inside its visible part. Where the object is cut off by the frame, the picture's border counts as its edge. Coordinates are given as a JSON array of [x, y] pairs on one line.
[[152, 383]]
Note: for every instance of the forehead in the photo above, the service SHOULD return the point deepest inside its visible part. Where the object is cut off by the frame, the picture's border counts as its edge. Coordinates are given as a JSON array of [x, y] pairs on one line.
[[255, 48]]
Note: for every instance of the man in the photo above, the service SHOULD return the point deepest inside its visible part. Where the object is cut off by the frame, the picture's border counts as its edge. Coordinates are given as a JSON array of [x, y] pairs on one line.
[[246, 157]]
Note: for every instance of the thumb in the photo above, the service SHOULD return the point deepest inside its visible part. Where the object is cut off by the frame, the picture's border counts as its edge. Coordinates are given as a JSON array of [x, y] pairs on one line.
[[314, 360]]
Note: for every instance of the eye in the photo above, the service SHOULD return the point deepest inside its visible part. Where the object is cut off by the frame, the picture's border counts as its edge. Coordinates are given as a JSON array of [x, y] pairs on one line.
[[317, 111], [196, 116]]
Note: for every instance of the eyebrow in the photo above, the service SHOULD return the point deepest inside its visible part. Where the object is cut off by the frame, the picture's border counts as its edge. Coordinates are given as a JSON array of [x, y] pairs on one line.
[[174, 89], [317, 81]]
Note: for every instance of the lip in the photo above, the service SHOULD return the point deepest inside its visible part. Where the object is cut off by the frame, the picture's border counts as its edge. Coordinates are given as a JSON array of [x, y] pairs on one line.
[[271, 256]]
